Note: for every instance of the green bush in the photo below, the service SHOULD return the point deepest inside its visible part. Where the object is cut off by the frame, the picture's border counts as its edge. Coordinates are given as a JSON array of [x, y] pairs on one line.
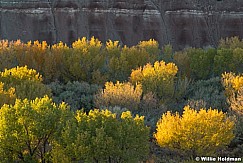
[[223, 61], [201, 62], [77, 94], [28, 129], [100, 136], [8, 53], [238, 60], [209, 93], [182, 60]]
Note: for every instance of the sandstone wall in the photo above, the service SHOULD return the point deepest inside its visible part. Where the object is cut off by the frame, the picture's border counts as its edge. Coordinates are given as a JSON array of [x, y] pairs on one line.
[[182, 23]]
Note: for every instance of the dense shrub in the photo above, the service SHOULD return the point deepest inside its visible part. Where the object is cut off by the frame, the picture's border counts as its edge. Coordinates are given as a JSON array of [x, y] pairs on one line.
[[8, 52], [100, 136], [236, 102], [223, 61], [54, 64], [181, 88], [231, 43], [151, 46], [6, 96], [234, 90], [195, 63], [236, 106], [182, 60], [232, 83], [124, 95], [77, 94], [196, 132], [210, 91], [33, 55], [28, 128], [201, 62], [238, 60], [167, 53], [157, 78], [85, 59], [27, 82], [149, 102]]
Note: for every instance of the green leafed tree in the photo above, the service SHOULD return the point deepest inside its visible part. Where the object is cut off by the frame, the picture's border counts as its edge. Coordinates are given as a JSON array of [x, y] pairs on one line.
[[101, 136], [28, 128]]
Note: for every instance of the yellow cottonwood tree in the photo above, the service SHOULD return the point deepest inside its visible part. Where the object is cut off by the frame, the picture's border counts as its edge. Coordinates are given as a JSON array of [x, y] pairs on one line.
[[200, 132], [157, 78], [27, 82], [119, 94]]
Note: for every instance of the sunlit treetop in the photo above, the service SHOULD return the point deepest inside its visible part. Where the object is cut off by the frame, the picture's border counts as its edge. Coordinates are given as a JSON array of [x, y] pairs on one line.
[[21, 73], [84, 44]]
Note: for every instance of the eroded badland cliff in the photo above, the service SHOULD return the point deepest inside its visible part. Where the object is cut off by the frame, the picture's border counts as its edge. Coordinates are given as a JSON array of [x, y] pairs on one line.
[[182, 23]]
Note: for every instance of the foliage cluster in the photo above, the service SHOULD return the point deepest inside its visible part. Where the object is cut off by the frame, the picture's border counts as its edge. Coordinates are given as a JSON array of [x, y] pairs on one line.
[[232, 83], [6, 96], [78, 95], [195, 132], [100, 136], [234, 91], [201, 64], [210, 92], [26, 82], [28, 128], [124, 95], [42, 131], [158, 78], [87, 60], [142, 78]]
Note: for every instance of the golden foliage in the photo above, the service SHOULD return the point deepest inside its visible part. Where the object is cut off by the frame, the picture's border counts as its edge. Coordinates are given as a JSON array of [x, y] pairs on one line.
[[27, 82], [157, 78], [236, 103], [151, 46], [113, 48], [200, 132], [120, 94], [6, 97], [232, 83], [20, 73]]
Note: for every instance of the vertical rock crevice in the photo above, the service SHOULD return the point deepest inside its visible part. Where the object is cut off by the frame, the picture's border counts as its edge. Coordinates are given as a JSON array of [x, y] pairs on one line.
[[54, 25]]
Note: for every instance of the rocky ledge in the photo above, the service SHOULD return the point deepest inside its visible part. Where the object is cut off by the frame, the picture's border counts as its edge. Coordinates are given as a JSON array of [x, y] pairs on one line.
[[182, 23]]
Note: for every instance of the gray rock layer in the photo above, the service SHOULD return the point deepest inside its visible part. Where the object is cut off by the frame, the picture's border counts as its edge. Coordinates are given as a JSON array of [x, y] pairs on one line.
[[182, 23]]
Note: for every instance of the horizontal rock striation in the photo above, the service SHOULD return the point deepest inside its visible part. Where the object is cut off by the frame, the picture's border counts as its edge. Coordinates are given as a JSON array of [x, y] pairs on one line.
[[182, 23]]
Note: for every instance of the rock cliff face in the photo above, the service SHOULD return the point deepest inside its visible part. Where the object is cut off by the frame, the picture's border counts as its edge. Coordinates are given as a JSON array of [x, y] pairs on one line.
[[182, 23]]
